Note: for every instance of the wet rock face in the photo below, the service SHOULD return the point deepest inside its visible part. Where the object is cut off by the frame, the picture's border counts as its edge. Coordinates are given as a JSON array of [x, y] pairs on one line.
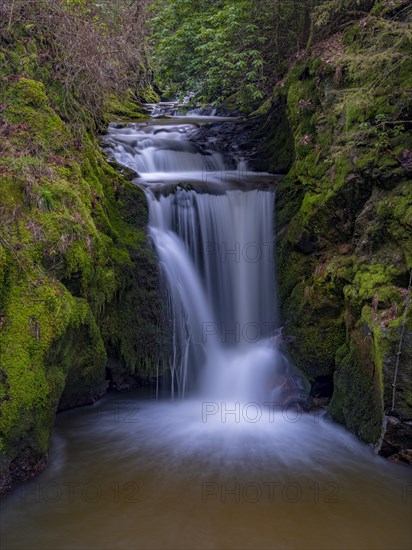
[[235, 139], [22, 469], [77, 395], [397, 366], [322, 387], [397, 442], [119, 378], [77, 281], [307, 243]]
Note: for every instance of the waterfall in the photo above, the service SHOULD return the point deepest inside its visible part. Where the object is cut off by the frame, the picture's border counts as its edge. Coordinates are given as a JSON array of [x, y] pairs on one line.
[[161, 153], [217, 268], [217, 263]]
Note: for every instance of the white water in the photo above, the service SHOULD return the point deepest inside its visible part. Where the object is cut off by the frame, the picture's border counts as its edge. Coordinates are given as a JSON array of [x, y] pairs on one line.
[[164, 153], [176, 109], [216, 253], [216, 257]]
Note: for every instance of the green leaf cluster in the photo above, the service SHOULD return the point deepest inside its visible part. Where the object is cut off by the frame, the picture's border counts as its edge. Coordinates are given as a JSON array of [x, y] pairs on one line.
[[225, 52]]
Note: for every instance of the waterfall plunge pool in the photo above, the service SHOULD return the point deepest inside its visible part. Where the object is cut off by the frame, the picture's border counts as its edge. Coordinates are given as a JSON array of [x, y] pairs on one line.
[[132, 472]]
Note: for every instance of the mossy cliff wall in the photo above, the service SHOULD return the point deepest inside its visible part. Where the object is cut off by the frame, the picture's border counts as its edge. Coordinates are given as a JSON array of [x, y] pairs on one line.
[[78, 283], [344, 222]]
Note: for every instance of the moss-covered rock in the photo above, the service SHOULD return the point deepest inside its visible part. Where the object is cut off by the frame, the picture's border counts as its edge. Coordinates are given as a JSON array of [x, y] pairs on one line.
[[357, 400], [124, 109], [78, 283], [344, 221]]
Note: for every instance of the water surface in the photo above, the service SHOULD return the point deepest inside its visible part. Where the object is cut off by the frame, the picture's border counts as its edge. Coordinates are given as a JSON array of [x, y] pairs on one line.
[[131, 472]]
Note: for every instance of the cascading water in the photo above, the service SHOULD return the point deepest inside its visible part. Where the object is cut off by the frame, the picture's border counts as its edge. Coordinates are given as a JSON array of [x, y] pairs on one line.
[[216, 256], [163, 153], [219, 269]]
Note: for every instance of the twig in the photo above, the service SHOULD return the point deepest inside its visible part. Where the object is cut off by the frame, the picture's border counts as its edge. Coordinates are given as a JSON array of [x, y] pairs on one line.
[[398, 355]]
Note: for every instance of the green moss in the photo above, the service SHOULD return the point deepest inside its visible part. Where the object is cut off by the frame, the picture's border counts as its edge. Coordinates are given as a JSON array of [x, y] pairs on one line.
[[375, 282], [315, 325], [315, 347], [3, 264], [35, 316], [302, 102], [371, 278], [30, 92], [38, 124], [126, 109], [276, 130], [387, 335], [396, 212], [293, 267], [356, 400], [76, 280], [82, 355], [344, 221], [148, 95]]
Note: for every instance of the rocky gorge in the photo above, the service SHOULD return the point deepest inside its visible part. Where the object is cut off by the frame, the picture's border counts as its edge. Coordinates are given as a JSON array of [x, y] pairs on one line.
[[80, 308]]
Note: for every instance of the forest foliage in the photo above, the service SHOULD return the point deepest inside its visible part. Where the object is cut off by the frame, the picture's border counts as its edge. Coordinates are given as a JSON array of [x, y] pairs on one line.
[[87, 49], [226, 51], [234, 53]]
